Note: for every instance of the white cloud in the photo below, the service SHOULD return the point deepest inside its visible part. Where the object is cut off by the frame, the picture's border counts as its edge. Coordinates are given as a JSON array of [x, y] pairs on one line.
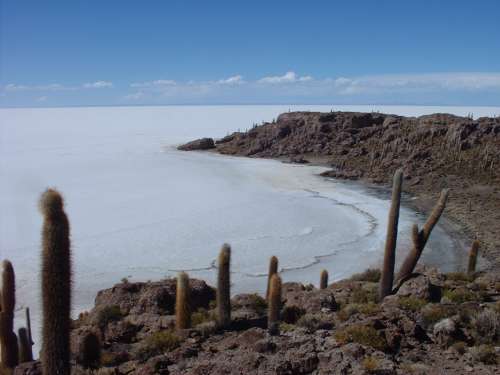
[[288, 77], [418, 82], [49, 87], [234, 80], [135, 96], [41, 99], [97, 85], [157, 83]]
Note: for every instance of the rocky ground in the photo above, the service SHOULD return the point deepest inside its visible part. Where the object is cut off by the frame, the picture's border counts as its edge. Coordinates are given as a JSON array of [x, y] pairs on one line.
[[436, 151], [434, 324]]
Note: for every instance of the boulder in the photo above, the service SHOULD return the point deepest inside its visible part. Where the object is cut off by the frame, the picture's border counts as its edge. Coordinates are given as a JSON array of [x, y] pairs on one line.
[[198, 144]]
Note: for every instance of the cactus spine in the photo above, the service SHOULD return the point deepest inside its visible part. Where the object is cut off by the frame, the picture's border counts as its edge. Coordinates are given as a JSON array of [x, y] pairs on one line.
[[90, 351], [274, 305], [323, 282], [471, 268], [8, 339], [419, 238], [25, 351], [273, 269], [56, 285], [387, 278], [182, 306], [224, 288]]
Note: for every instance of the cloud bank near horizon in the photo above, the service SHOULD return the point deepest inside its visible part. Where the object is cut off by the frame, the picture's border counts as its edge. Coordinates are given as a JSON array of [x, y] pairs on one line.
[[431, 88]]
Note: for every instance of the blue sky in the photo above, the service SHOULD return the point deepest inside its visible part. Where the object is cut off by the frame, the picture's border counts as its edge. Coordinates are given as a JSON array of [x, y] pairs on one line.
[[91, 52]]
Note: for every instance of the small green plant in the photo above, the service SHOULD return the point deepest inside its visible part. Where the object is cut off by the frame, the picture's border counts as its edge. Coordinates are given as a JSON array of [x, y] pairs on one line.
[[109, 314], [459, 276], [460, 347], [462, 295], [370, 363], [485, 354], [286, 327], [314, 321], [412, 303], [485, 327], [202, 316], [433, 313], [362, 334], [110, 359], [258, 303], [364, 294], [351, 309], [291, 314], [158, 343], [371, 275]]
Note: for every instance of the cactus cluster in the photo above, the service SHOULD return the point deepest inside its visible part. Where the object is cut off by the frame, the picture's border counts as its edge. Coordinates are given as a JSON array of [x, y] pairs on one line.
[[419, 238]]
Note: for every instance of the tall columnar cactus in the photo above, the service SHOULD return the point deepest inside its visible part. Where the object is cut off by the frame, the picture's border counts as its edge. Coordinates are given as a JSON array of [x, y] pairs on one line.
[[387, 277], [474, 250], [273, 269], [25, 350], [8, 339], [90, 351], [323, 282], [56, 285], [28, 325], [274, 305], [224, 288], [419, 238], [182, 303]]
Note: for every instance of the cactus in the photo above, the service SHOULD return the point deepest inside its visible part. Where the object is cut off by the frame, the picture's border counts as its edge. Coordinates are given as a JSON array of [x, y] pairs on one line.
[[8, 339], [224, 288], [90, 351], [471, 268], [273, 269], [323, 282], [182, 305], [387, 277], [419, 238], [56, 285], [25, 350], [274, 305], [28, 325]]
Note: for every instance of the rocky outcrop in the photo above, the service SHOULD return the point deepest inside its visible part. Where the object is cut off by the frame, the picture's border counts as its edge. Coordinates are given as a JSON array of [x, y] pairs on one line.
[[342, 329], [435, 151], [199, 144]]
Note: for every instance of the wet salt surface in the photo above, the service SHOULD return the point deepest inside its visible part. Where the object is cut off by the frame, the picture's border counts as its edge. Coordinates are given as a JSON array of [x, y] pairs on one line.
[[141, 209]]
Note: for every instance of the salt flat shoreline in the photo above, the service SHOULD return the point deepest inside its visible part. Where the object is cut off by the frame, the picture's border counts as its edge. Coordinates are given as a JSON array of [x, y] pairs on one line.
[[437, 151]]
